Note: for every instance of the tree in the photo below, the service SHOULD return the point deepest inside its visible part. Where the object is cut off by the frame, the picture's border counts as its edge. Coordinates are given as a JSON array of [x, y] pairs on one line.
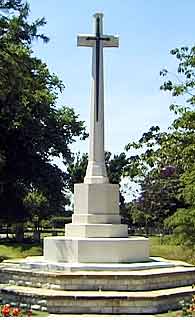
[[77, 169], [169, 150], [33, 129], [183, 221], [154, 169], [37, 205]]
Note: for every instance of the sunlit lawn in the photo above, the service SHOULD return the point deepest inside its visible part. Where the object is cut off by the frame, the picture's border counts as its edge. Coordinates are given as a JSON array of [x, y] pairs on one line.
[[171, 251], [13, 251]]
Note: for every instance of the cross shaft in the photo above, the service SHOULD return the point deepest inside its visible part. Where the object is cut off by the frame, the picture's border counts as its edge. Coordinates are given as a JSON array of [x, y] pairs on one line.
[[96, 169]]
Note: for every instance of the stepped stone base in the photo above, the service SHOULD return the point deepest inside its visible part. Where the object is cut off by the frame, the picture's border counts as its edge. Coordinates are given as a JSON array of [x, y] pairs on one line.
[[96, 250], [95, 218], [96, 230], [100, 302], [151, 289], [96, 234]]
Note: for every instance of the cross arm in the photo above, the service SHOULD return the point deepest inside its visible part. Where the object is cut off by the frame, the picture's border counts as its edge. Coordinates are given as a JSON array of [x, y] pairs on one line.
[[85, 40], [110, 41]]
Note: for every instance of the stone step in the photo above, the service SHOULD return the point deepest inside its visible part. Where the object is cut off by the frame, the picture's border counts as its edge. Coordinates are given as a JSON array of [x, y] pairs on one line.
[[101, 302], [96, 218], [140, 280], [93, 230]]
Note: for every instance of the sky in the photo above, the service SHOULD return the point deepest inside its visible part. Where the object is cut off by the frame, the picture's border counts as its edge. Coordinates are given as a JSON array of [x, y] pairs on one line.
[[147, 29]]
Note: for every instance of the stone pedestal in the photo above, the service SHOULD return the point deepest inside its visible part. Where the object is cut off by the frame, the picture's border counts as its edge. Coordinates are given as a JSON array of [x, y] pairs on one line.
[[96, 212], [96, 250], [96, 234]]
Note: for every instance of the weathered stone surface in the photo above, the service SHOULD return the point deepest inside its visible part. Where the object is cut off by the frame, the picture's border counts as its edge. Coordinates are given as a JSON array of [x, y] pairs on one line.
[[136, 291], [100, 301], [106, 280]]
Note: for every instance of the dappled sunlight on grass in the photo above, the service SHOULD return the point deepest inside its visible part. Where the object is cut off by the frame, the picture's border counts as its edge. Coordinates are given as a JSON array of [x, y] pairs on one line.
[[14, 251]]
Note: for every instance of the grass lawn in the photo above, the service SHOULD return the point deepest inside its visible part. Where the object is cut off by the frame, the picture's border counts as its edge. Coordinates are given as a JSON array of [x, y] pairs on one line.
[[170, 251], [13, 250]]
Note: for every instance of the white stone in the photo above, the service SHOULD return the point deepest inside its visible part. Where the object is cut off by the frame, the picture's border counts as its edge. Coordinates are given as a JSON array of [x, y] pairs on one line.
[[96, 198], [96, 169], [94, 250], [95, 218], [35, 307], [44, 309], [96, 230]]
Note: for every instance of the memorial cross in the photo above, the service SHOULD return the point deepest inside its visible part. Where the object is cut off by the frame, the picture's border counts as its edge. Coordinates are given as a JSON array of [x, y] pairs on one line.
[[96, 170]]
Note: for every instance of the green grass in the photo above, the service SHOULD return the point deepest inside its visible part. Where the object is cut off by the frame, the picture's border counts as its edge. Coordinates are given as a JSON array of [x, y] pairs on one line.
[[14, 251], [171, 251]]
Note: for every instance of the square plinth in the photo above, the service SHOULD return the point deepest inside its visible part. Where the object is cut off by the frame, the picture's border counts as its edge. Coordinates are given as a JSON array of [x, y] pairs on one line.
[[96, 230], [96, 198], [93, 250]]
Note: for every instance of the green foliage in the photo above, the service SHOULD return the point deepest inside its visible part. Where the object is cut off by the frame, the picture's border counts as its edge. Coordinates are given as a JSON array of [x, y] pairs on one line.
[[183, 221], [35, 202], [183, 224], [115, 166], [77, 169], [168, 248], [141, 219], [161, 196], [37, 206], [32, 128], [186, 75]]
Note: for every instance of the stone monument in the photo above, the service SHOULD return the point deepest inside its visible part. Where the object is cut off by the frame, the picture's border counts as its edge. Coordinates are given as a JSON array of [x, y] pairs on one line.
[[96, 267], [96, 234]]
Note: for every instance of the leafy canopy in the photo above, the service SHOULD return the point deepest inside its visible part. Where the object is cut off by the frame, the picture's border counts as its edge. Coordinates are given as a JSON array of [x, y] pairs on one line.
[[33, 129]]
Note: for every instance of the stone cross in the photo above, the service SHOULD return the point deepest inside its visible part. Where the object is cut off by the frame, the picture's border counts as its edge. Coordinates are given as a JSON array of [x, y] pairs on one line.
[[96, 169], [96, 235]]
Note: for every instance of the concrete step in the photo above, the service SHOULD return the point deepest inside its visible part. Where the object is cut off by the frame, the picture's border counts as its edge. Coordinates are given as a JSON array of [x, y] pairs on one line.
[[101, 302], [140, 280]]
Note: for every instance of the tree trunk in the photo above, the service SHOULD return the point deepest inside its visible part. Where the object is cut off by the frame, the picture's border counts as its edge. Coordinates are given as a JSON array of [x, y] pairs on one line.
[[36, 236], [7, 231], [36, 233], [19, 232]]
